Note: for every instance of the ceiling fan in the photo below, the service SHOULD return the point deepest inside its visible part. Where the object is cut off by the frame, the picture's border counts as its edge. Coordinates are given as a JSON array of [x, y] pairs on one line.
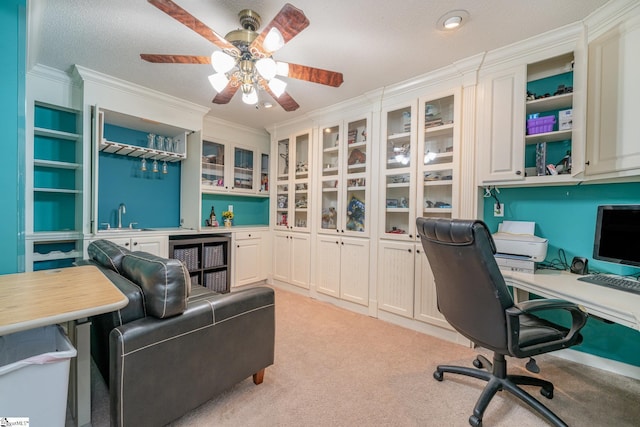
[[244, 61]]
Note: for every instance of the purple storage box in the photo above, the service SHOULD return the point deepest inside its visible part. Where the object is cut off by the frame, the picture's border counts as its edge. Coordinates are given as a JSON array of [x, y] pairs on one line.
[[540, 125]]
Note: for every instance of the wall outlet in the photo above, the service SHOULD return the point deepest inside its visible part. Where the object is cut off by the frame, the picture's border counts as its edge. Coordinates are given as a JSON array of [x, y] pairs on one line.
[[230, 208], [498, 209]]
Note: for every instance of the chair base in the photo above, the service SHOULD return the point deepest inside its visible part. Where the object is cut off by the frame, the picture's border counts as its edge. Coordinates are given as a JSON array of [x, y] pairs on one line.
[[497, 379]]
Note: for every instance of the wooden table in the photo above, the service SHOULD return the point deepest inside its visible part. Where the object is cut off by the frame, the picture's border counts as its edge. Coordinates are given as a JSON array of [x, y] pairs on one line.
[[41, 298]]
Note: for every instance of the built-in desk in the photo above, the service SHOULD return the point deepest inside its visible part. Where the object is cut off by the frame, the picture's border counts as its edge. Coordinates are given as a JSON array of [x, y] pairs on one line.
[[47, 297], [610, 304]]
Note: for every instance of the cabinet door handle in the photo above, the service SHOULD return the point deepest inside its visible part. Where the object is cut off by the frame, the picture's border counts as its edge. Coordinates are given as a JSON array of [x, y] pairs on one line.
[[417, 251], [518, 172], [409, 250], [126, 244], [411, 236], [238, 246], [587, 163], [337, 242], [135, 243]]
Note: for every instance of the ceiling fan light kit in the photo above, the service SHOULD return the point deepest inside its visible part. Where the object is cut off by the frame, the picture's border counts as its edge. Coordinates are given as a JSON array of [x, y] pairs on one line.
[[244, 61]]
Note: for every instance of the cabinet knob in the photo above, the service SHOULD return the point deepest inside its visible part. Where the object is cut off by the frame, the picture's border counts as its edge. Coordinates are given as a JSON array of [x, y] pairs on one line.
[[409, 250], [337, 242], [411, 236], [587, 163], [126, 244], [238, 246], [135, 243], [249, 235], [417, 251], [518, 172]]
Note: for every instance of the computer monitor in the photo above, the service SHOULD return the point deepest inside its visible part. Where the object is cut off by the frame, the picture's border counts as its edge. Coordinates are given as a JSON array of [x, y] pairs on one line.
[[617, 236]]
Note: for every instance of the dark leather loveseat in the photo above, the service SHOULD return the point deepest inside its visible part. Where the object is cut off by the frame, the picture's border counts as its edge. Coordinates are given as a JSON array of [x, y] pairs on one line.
[[175, 345]]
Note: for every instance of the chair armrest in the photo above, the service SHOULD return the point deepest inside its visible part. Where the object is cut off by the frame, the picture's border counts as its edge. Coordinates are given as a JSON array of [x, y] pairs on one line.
[[527, 309]]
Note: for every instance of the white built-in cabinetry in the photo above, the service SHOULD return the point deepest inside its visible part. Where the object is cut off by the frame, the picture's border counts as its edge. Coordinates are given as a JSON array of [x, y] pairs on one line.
[[344, 205], [518, 86], [613, 147], [55, 187], [292, 258], [251, 257], [342, 267], [234, 168], [153, 244], [420, 177]]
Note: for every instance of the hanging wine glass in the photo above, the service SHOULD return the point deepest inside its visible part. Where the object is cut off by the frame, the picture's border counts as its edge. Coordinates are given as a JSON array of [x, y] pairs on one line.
[[150, 140], [164, 167], [143, 166], [155, 166]]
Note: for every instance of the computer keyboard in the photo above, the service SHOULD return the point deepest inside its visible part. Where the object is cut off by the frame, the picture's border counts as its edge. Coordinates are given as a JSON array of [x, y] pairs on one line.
[[611, 281]]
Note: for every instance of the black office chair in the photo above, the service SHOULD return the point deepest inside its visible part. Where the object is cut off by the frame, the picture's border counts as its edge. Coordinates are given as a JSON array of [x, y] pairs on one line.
[[474, 298]]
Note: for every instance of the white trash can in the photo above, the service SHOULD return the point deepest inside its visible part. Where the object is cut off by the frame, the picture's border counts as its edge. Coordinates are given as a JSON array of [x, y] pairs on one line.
[[34, 375]]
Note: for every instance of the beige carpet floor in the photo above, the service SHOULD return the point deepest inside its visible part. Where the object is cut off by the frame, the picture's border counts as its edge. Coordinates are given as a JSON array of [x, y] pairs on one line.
[[334, 367]]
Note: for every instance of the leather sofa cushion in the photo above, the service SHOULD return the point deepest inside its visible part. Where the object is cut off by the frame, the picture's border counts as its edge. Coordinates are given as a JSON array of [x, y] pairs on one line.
[[164, 282], [107, 254]]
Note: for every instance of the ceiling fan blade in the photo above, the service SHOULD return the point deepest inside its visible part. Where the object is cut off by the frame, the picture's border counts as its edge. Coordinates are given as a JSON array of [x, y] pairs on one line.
[[185, 18], [290, 21], [225, 96], [175, 59], [315, 75]]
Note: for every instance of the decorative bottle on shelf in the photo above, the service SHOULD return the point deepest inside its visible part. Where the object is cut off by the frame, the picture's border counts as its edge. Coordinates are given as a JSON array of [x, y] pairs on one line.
[[213, 222]]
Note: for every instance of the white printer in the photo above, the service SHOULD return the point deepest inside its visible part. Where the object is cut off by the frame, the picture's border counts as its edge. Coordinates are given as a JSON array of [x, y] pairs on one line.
[[517, 247]]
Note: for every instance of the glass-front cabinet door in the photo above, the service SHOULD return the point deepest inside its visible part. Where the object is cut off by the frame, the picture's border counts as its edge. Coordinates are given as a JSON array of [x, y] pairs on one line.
[[213, 166], [264, 174], [356, 170], [344, 176], [330, 178], [282, 184], [301, 182], [243, 170], [438, 147], [292, 182], [398, 179]]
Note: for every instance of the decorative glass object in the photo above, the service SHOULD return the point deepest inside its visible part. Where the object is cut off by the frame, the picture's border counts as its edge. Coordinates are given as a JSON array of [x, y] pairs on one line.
[[143, 166], [160, 143], [164, 168], [169, 145], [155, 166], [151, 140]]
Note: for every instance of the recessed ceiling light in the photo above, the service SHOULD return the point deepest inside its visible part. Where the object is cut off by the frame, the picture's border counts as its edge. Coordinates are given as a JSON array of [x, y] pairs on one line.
[[452, 20]]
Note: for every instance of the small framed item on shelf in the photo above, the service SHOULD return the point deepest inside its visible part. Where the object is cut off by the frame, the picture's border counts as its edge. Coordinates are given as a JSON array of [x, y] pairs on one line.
[[392, 203]]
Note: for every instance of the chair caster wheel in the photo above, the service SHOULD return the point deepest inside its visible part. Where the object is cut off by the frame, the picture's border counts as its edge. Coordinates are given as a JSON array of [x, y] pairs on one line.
[[475, 421], [547, 393], [438, 375], [477, 363]]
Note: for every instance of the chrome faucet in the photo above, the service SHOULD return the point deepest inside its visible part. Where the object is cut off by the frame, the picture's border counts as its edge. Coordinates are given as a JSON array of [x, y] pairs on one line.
[[122, 209]]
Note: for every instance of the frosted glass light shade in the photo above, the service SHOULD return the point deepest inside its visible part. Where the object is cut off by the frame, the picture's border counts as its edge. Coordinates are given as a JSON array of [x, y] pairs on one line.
[[277, 86], [250, 98], [273, 41], [267, 68], [221, 62], [219, 81], [282, 68]]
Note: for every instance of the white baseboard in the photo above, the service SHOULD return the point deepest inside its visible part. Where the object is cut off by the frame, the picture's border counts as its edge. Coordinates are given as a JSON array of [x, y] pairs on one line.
[[599, 362]]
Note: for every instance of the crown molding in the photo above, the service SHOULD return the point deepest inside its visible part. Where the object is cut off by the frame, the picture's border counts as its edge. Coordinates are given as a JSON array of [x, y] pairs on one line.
[[609, 15], [83, 75], [215, 121], [52, 74]]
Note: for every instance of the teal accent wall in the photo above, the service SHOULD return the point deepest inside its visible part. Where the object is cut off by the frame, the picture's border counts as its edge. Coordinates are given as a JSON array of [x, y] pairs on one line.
[[566, 215], [12, 129], [152, 199], [247, 210]]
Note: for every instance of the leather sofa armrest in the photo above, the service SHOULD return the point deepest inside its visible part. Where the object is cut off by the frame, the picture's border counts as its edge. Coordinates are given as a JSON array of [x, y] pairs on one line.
[[163, 368]]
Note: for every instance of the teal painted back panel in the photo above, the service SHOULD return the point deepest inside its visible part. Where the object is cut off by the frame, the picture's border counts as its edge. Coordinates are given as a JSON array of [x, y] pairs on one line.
[[247, 210], [566, 215]]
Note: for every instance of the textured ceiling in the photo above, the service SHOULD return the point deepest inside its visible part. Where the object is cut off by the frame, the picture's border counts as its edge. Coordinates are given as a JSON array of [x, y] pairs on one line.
[[374, 43]]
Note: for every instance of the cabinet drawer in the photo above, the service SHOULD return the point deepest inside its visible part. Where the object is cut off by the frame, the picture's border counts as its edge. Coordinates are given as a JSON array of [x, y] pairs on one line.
[[247, 235]]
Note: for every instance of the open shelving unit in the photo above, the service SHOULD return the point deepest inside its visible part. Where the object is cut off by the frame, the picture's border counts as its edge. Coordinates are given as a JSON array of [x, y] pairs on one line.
[[54, 238]]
